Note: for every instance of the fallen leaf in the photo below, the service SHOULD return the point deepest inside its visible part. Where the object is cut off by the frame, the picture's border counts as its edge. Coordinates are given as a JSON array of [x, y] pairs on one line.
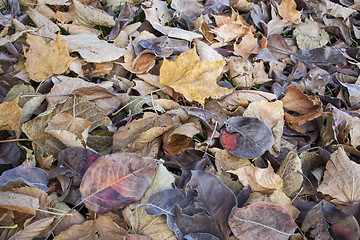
[[308, 109], [138, 133], [249, 45], [34, 229], [91, 17], [141, 64], [261, 220], [71, 131], [41, 21], [10, 114], [187, 8], [246, 74], [20, 176], [43, 60], [104, 99], [193, 78], [309, 35], [290, 172], [246, 137], [287, 10], [340, 181], [19, 202], [263, 180], [230, 28], [272, 113], [115, 181], [226, 161], [325, 221], [278, 197], [81, 108], [152, 226], [177, 139], [218, 199], [92, 49]]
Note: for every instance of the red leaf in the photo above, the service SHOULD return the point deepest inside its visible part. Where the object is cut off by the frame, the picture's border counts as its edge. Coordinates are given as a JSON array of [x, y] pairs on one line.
[[116, 180]]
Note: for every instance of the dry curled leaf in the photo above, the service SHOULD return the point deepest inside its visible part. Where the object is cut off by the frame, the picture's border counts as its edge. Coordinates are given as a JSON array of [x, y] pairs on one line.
[[193, 78], [91, 17]]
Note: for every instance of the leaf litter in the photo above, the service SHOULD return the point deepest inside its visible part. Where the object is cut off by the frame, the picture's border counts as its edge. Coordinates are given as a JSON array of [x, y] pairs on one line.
[[179, 119]]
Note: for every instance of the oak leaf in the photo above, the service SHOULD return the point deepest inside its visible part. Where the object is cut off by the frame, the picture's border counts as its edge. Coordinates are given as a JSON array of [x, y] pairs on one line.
[[341, 179], [43, 60], [193, 78]]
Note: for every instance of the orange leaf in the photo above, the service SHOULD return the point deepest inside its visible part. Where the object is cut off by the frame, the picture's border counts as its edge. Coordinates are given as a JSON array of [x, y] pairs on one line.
[[287, 10]]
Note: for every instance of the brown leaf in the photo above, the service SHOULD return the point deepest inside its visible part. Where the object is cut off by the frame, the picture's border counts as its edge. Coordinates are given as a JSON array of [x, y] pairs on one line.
[[249, 45], [138, 133], [340, 179], [261, 220], [289, 172], [19, 202], [43, 60], [193, 78], [272, 113], [115, 181], [35, 192], [230, 28], [104, 99], [246, 74], [71, 131], [33, 230], [10, 114], [141, 64], [79, 232], [263, 180], [309, 109], [152, 226], [82, 108], [287, 10], [91, 17], [177, 139]]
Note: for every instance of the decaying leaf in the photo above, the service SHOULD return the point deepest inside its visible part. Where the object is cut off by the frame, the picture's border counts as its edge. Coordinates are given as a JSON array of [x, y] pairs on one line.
[[263, 180], [10, 114], [149, 225], [246, 74], [117, 180], [92, 49], [138, 133], [287, 10], [261, 220], [290, 172], [340, 181], [43, 60], [309, 36], [272, 113], [91, 17], [246, 137], [193, 78], [77, 107]]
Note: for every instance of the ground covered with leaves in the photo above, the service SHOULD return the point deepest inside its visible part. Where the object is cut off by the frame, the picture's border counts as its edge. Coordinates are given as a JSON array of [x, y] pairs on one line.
[[179, 119]]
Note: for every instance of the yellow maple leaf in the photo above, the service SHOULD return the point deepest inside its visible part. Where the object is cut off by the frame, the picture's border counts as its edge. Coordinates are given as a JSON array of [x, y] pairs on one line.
[[43, 60], [287, 10], [193, 78]]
